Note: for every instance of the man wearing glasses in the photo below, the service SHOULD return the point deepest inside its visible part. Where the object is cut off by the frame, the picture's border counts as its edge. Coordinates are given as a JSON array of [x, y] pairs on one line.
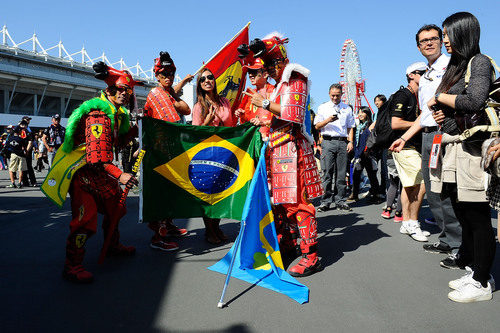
[[163, 103], [429, 42]]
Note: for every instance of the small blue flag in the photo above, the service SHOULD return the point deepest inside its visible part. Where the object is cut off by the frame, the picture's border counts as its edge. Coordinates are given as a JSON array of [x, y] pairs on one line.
[[258, 259]]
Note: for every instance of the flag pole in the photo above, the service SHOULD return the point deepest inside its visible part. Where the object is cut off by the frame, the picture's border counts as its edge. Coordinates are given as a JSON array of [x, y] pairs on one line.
[[139, 122], [234, 37], [221, 303]]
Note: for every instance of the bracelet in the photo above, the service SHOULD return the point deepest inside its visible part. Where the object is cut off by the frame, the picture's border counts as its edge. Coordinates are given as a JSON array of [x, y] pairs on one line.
[[402, 139]]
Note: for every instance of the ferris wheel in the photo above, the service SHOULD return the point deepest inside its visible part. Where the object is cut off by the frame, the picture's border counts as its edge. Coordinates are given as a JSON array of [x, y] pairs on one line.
[[353, 85]]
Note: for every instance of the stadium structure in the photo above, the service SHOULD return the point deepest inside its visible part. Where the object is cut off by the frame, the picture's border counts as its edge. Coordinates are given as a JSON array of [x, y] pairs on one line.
[[40, 82]]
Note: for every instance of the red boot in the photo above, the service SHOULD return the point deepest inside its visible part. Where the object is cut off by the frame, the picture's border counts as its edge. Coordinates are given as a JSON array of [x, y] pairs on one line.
[[116, 249], [75, 251], [309, 264]]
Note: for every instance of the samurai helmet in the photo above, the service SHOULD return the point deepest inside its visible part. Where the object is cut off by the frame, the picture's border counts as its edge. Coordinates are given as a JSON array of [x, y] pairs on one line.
[[270, 48], [114, 77], [163, 63]]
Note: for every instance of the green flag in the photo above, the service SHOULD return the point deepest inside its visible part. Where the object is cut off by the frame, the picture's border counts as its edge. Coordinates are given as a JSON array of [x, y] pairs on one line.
[[192, 171]]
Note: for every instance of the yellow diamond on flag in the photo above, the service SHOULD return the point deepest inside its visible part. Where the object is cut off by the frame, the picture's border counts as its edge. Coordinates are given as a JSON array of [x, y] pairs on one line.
[[212, 170]]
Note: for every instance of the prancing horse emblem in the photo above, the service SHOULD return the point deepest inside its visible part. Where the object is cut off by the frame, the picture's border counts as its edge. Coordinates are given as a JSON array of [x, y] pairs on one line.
[[97, 130]]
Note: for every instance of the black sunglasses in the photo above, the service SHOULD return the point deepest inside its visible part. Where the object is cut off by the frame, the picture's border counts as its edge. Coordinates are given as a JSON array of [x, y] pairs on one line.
[[168, 73], [208, 77]]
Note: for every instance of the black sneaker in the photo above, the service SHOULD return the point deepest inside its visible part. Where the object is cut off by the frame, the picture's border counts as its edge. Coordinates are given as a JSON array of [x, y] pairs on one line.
[[11, 186], [323, 208], [437, 248], [450, 262], [344, 207], [20, 185]]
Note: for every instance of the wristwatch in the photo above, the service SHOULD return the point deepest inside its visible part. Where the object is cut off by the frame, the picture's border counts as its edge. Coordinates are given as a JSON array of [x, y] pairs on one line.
[[437, 96], [265, 104]]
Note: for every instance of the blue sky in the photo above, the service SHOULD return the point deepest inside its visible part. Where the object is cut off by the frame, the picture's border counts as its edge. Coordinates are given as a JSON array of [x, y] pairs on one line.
[[192, 31]]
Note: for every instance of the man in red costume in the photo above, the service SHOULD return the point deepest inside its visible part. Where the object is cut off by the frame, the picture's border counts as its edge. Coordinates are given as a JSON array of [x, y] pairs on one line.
[[246, 110], [294, 174], [163, 103], [98, 125]]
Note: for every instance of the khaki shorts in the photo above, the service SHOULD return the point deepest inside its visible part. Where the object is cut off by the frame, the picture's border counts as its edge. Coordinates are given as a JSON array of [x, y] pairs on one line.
[[409, 165], [17, 163]]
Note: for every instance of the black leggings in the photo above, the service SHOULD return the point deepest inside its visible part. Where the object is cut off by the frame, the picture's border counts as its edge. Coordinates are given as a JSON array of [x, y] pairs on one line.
[[394, 190], [478, 239]]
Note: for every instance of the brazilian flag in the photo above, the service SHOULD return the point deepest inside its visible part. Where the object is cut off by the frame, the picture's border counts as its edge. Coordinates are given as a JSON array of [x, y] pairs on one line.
[[193, 171]]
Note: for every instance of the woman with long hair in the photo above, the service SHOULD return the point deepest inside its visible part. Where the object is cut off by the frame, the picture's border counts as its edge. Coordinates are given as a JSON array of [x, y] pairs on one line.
[[460, 176], [211, 110]]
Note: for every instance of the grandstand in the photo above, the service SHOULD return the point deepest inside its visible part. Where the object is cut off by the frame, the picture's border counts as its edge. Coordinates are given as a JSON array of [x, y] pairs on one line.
[[41, 82]]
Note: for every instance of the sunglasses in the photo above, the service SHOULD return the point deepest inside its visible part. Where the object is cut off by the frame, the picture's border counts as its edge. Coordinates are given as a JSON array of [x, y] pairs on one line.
[[169, 73], [129, 91], [274, 62], [208, 77]]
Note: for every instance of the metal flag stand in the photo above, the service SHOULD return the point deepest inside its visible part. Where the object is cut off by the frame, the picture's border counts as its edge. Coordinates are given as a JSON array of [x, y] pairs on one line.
[[221, 303]]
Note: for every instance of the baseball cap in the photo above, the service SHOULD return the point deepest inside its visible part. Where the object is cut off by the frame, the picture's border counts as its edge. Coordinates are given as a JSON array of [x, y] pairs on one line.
[[26, 118], [416, 66], [257, 64], [56, 116]]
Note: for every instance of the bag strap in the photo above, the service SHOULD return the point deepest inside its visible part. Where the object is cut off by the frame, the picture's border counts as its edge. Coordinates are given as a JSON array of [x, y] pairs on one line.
[[469, 65]]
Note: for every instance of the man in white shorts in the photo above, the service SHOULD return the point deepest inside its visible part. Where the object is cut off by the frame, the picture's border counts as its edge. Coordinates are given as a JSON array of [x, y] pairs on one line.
[[404, 110]]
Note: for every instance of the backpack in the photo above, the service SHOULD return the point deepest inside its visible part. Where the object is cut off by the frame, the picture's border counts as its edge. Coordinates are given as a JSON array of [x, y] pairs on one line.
[[487, 119], [382, 135]]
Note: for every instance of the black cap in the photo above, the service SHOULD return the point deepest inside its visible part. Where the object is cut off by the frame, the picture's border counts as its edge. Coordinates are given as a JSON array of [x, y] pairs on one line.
[[56, 116], [27, 118]]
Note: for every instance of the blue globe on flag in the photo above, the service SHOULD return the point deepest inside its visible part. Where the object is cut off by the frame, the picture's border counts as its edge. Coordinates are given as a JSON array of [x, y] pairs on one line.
[[213, 170]]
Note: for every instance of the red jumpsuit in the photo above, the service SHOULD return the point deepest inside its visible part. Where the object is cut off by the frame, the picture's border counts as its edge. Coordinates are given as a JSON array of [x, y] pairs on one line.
[[94, 189]]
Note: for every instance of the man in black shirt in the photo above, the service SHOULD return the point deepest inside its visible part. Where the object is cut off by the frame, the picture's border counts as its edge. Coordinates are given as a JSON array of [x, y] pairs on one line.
[[29, 178], [404, 110], [53, 137], [17, 147]]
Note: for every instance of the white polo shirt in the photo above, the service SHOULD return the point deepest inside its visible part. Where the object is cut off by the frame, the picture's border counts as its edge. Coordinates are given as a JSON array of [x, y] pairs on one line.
[[337, 128], [427, 88]]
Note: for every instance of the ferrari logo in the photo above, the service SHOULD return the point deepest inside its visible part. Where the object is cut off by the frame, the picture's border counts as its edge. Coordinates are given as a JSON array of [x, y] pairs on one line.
[[80, 240], [254, 108], [284, 167], [297, 97], [283, 51], [97, 130], [299, 218], [82, 212]]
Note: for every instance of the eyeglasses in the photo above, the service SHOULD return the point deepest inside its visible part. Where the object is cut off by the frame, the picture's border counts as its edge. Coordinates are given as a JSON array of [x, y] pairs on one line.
[[169, 73], [419, 72], [428, 40], [208, 77], [124, 89], [274, 62]]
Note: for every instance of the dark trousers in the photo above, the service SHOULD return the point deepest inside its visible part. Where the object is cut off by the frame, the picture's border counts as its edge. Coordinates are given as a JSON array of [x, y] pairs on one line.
[[451, 231], [30, 173], [384, 174], [478, 238], [334, 161], [368, 164]]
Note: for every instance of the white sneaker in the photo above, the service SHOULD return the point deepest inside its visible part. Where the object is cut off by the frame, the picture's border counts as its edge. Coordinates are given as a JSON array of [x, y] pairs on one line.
[[458, 283], [472, 291], [424, 232], [412, 229]]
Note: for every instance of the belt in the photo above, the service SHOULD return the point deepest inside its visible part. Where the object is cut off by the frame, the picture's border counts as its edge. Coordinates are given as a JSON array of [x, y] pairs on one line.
[[430, 129], [339, 138]]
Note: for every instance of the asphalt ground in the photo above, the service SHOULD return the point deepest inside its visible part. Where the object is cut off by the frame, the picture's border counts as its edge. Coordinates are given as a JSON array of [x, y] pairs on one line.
[[375, 279]]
